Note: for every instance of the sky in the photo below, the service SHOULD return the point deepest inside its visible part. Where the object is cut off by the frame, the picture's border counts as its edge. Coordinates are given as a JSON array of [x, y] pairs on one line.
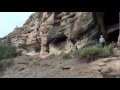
[[9, 20]]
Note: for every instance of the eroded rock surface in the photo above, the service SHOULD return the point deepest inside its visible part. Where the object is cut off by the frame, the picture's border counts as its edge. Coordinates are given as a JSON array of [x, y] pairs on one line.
[[47, 33]]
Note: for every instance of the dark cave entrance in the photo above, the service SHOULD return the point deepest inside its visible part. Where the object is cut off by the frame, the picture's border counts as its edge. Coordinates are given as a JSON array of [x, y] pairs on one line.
[[113, 36], [59, 40], [111, 23], [111, 18], [37, 49]]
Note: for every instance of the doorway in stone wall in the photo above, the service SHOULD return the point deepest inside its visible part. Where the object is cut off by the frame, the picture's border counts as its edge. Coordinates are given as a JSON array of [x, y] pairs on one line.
[[111, 22]]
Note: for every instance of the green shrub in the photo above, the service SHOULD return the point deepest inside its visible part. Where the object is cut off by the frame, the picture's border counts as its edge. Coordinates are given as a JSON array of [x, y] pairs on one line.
[[5, 63], [91, 53], [34, 62], [110, 48], [86, 54], [66, 56], [53, 56], [75, 53], [7, 52]]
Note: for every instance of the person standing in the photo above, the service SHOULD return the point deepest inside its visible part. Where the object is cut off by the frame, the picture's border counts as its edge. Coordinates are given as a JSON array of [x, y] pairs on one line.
[[102, 41]]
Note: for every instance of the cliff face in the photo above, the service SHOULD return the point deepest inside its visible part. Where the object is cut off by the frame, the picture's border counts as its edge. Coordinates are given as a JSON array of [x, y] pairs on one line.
[[62, 32], [46, 33], [25, 37]]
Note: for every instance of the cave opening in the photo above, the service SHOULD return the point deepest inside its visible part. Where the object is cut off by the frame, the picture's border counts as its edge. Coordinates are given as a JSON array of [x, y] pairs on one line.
[[37, 49], [111, 23], [59, 39], [111, 18], [113, 36]]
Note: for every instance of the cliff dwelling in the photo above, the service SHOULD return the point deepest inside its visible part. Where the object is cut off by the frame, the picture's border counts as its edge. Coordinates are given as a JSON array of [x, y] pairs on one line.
[[111, 24]]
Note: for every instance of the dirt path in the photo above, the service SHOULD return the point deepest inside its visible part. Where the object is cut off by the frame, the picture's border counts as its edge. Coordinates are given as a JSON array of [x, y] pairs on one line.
[[28, 67], [50, 69]]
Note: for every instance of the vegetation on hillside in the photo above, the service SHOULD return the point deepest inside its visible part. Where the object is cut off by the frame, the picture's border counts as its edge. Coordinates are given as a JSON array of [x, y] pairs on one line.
[[7, 52], [87, 54], [91, 53]]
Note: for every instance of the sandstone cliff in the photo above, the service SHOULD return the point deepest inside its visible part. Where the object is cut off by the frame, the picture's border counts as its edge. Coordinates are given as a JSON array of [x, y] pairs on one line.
[[46, 33]]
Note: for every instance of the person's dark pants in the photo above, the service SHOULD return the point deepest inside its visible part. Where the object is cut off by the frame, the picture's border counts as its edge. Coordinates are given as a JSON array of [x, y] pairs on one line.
[[103, 44]]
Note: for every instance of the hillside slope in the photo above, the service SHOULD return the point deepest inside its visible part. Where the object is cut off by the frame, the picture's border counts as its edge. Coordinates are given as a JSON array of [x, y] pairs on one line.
[[46, 33]]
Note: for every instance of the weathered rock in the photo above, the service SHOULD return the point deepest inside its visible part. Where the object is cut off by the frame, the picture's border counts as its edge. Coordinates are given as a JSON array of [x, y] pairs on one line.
[[101, 64], [73, 28], [57, 32], [107, 60], [26, 37], [111, 69], [106, 70]]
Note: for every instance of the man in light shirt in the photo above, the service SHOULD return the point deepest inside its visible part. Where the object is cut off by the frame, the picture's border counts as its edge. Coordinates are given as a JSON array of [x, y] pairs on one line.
[[102, 41]]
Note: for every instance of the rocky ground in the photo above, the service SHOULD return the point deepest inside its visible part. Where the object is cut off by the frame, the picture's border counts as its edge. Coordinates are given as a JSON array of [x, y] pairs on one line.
[[48, 33], [49, 69], [30, 67]]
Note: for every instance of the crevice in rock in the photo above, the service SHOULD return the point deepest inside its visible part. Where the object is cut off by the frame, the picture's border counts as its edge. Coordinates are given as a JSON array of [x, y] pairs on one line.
[[111, 23], [59, 39], [57, 19], [111, 18], [113, 36]]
